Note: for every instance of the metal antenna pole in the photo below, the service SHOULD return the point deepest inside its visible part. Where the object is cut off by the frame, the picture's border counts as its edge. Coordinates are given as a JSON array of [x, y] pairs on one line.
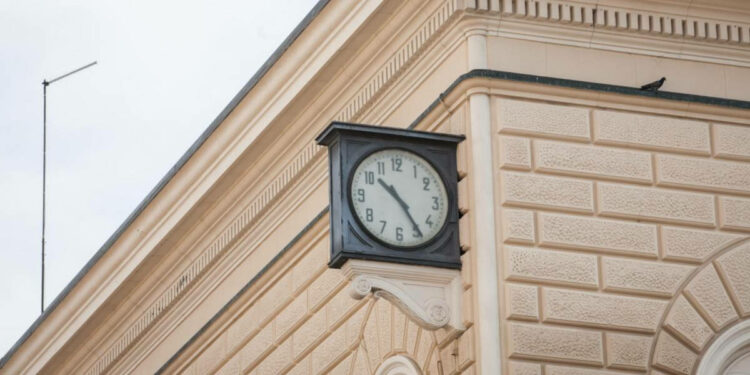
[[46, 83], [44, 182]]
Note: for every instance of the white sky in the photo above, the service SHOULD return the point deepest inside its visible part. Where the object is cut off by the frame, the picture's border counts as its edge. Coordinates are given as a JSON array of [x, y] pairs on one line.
[[166, 69]]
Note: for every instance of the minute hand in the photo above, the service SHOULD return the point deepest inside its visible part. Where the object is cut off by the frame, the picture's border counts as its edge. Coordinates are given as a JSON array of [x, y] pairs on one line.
[[392, 191]]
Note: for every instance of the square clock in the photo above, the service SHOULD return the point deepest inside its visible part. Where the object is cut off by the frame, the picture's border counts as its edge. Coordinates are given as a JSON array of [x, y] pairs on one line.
[[393, 195]]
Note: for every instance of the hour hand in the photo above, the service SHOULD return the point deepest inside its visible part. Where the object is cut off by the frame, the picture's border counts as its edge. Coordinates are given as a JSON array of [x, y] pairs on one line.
[[392, 191]]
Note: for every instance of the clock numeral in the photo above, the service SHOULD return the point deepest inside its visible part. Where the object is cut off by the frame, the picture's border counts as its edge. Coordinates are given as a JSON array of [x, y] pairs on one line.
[[381, 167], [361, 195], [435, 203], [368, 214], [369, 178], [415, 233], [383, 228], [399, 233], [396, 164], [415, 171], [428, 221], [426, 182]]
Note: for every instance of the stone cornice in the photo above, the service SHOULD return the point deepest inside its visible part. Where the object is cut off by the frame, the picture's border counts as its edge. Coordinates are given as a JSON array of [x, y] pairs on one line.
[[669, 29]]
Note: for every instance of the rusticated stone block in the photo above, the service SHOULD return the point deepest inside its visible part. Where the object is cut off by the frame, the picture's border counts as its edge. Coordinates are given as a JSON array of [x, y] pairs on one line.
[[244, 326], [212, 356], [518, 225], [707, 290], [524, 117], [523, 302], [339, 307], [464, 229], [691, 172], [276, 296], [330, 350], [466, 350], [545, 191], [602, 310], [566, 370], [323, 287], [632, 166], [232, 367], [562, 344], [524, 368], [648, 203], [463, 196], [685, 322], [342, 368], [261, 343], [734, 213], [310, 266], [553, 266], [309, 332], [643, 276], [627, 351], [673, 355], [597, 234], [653, 132], [290, 315], [736, 266], [278, 360], [732, 142], [693, 245], [515, 153]]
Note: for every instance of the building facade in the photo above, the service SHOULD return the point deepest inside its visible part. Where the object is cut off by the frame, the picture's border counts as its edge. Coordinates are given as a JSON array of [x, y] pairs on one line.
[[605, 229]]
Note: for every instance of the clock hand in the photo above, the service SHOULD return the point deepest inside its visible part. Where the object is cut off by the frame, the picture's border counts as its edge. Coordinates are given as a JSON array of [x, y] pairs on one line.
[[392, 191]]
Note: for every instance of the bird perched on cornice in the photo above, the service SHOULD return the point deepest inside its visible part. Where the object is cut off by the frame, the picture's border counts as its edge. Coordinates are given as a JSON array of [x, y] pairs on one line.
[[654, 86]]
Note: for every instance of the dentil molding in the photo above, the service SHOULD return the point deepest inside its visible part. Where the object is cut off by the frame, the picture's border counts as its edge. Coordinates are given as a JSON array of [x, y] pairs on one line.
[[430, 296]]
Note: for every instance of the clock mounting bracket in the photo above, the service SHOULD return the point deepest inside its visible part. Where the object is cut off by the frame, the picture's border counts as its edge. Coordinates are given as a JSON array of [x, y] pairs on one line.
[[430, 296]]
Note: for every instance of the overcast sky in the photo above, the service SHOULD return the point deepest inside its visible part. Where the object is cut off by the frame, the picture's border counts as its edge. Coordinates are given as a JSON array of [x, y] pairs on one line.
[[166, 69]]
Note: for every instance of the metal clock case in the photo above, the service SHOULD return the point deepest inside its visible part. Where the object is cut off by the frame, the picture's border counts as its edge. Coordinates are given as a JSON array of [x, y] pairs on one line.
[[408, 176]]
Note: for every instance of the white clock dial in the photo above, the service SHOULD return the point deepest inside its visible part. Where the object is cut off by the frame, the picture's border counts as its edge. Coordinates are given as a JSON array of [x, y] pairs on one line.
[[399, 197]]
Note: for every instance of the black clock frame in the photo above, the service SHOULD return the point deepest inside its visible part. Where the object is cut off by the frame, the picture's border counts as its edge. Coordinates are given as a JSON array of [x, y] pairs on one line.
[[348, 145]]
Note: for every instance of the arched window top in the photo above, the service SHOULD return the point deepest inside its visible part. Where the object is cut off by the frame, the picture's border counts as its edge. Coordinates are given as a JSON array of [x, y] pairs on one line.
[[730, 353], [741, 365], [398, 365]]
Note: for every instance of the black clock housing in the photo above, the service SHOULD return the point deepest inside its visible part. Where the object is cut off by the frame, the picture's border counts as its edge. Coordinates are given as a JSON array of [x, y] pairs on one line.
[[348, 144]]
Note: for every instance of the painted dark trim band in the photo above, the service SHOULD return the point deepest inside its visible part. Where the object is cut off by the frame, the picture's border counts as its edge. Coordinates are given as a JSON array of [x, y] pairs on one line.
[[245, 288], [170, 174], [583, 85]]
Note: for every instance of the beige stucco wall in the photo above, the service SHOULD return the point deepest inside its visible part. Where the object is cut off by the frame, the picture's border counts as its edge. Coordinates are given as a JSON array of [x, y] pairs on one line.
[[624, 236], [617, 221], [304, 322]]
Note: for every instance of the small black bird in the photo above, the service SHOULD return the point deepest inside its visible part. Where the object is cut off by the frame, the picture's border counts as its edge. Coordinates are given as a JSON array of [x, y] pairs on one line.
[[654, 86]]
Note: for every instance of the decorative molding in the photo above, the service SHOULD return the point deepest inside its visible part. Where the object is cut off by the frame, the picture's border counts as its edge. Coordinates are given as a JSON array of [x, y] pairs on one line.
[[395, 66], [723, 351], [398, 62], [430, 296], [621, 19], [398, 365], [686, 33]]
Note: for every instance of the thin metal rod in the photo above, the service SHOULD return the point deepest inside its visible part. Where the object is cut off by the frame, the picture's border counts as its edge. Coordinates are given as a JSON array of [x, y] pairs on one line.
[[46, 83], [73, 72], [44, 183]]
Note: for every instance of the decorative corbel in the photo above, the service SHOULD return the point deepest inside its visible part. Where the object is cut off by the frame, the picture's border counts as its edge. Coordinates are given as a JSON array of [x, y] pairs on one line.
[[430, 296]]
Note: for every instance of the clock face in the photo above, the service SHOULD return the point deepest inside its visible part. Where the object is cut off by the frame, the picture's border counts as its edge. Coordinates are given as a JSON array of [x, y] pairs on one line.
[[399, 198]]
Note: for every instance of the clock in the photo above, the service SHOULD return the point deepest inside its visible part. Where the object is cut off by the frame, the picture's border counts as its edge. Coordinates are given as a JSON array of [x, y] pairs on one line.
[[399, 198], [393, 195]]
